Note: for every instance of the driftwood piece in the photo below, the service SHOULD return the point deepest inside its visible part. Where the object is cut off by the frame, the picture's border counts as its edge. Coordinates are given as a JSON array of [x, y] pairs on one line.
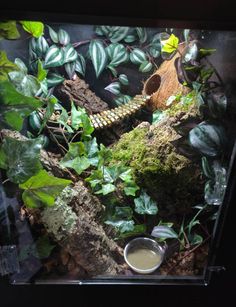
[[78, 91], [164, 83], [74, 222]]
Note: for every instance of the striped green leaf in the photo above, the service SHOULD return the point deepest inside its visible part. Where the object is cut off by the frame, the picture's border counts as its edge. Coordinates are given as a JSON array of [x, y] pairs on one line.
[[207, 168], [21, 65], [53, 35], [54, 57], [113, 70], [80, 65], [41, 46], [35, 28], [54, 80], [63, 37], [130, 38], [164, 232], [208, 139], [137, 56], [119, 34], [98, 56], [99, 31], [142, 34], [146, 66], [70, 54], [154, 52], [114, 88], [157, 37], [117, 54], [123, 79], [70, 69]]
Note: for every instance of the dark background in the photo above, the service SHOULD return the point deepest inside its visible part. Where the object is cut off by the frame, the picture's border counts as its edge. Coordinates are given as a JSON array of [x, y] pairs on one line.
[[218, 15]]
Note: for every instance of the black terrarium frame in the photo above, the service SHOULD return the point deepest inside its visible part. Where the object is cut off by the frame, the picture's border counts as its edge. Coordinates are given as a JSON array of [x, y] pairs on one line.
[[185, 77]]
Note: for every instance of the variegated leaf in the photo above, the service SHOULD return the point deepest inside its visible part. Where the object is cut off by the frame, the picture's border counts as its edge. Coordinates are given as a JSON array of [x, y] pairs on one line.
[[98, 56], [142, 34], [41, 46], [70, 69], [164, 232], [119, 34], [123, 79], [54, 57], [146, 66], [130, 38], [117, 54], [114, 88], [80, 65], [113, 70], [137, 56], [70, 54], [63, 37], [53, 35], [54, 79]]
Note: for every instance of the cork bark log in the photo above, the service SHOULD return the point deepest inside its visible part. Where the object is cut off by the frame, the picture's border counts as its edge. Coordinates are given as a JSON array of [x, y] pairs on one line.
[[74, 222]]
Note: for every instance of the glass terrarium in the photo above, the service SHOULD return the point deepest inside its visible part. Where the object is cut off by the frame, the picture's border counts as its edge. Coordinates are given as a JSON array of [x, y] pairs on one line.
[[116, 151]]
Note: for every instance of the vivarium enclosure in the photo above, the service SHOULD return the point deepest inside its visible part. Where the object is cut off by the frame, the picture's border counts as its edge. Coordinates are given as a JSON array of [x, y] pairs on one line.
[[116, 149]]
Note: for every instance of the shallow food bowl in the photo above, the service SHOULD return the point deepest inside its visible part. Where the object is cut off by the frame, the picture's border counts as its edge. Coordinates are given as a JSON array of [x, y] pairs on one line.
[[143, 255]]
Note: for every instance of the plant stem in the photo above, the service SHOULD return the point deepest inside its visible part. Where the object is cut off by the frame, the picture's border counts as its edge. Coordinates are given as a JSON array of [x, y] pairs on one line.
[[75, 45], [62, 148]]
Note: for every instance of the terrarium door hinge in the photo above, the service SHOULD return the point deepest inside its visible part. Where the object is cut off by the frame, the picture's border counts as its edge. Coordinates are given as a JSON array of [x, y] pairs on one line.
[[217, 268]]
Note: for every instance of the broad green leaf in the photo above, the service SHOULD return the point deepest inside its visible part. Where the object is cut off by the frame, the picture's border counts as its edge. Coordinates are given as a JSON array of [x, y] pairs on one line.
[[142, 34], [122, 225], [53, 35], [117, 54], [6, 66], [164, 232], [206, 52], [137, 56], [137, 230], [119, 34], [63, 37], [95, 179], [157, 116], [42, 189], [24, 163], [54, 57], [70, 54], [49, 111], [80, 65], [79, 164], [54, 79], [35, 28], [146, 66], [3, 158], [123, 213], [14, 106], [63, 119], [79, 118], [106, 189], [98, 56], [21, 65], [70, 69], [123, 79], [130, 188], [92, 151], [42, 73], [114, 88], [126, 175], [43, 247], [145, 205], [195, 239], [8, 30], [170, 45]]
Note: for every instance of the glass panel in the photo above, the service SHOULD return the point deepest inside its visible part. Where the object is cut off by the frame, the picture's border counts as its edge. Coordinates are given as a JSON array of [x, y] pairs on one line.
[[115, 151]]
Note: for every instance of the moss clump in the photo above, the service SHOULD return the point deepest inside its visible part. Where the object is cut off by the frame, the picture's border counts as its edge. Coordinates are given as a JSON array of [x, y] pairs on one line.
[[171, 179]]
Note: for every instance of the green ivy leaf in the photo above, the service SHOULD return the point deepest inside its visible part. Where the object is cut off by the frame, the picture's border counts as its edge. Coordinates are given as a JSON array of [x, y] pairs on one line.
[[98, 56], [123, 213], [164, 232], [24, 163], [54, 57], [169, 45], [157, 116], [52, 100], [79, 164], [63, 119], [14, 106], [79, 118], [119, 34], [137, 230], [95, 179], [106, 189], [131, 188], [8, 30], [42, 189], [145, 205], [92, 151], [35, 28], [43, 247], [80, 65], [42, 73], [6, 66], [122, 225]]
